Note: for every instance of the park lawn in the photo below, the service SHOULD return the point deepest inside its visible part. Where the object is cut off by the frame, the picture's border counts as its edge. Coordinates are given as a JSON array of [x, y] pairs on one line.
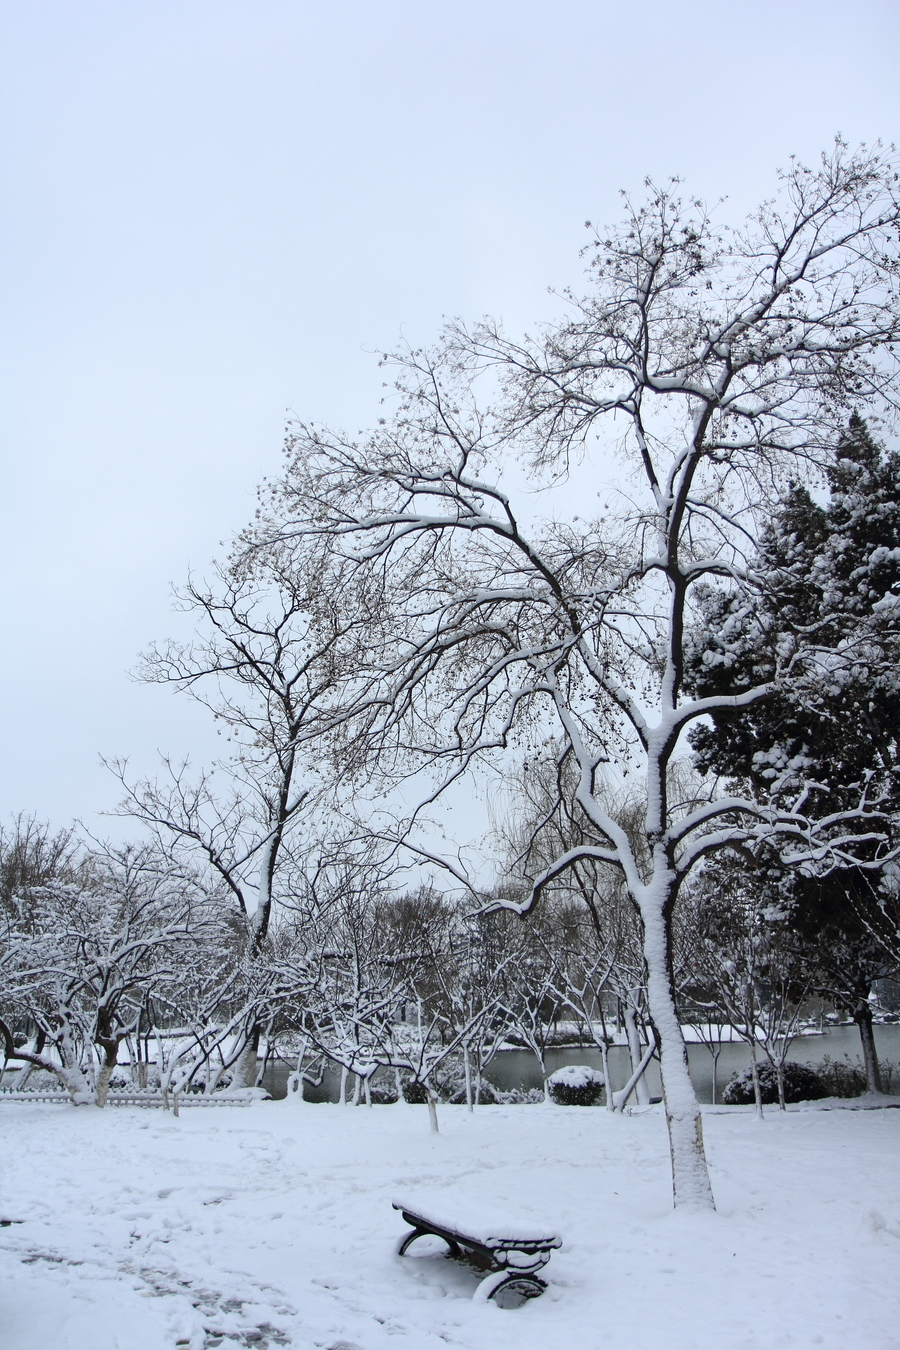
[[272, 1225]]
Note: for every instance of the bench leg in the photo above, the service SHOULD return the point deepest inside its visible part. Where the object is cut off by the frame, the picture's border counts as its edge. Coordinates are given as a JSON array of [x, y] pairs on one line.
[[508, 1288], [407, 1241]]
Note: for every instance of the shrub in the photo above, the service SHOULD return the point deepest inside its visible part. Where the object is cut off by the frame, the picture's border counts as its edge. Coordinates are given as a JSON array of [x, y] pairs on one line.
[[518, 1097], [841, 1078], [382, 1094], [846, 1078], [487, 1094], [801, 1084], [576, 1085], [415, 1093]]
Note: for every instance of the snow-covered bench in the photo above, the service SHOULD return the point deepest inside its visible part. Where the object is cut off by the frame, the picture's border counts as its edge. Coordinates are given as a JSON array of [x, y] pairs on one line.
[[511, 1252]]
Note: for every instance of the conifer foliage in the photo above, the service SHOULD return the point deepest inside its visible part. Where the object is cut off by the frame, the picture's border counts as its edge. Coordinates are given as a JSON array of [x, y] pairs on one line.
[[828, 613]]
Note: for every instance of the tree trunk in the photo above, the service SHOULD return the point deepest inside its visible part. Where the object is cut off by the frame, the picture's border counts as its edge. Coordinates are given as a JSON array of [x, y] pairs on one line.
[[863, 1019], [105, 1074], [754, 1073], [715, 1060], [432, 1109], [604, 1059], [690, 1175], [245, 1072], [641, 1089], [468, 1070]]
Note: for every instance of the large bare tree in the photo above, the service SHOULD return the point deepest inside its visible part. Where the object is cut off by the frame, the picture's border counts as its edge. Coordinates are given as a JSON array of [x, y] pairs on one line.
[[715, 363]]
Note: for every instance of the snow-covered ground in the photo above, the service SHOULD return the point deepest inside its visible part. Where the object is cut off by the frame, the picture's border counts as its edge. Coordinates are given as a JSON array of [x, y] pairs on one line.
[[272, 1225]]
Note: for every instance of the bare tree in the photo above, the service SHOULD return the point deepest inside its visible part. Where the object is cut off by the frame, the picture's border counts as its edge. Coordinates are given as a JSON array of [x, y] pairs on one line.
[[747, 965], [83, 955], [719, 362], [263, 664]]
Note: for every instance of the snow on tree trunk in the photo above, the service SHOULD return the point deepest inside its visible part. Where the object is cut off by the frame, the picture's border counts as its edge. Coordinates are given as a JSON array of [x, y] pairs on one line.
[[754, 1073], [468, 1071], [863, 1019], [102, 1090], [641, 1089], [690, 1175], [604, 1059], [245, 1072], [432, 1109]]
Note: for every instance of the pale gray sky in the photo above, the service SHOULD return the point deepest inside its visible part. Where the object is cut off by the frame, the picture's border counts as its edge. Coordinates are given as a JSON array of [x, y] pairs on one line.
[[214, 211]]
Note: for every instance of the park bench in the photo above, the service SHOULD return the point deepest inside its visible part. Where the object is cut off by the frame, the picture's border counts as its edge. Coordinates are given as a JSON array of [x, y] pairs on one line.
[[510, 1254]]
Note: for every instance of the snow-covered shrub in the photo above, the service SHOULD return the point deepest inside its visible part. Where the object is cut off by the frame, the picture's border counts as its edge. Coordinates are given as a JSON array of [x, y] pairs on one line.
[[382, 1094], [414, 1092], [576, 1085], [801, 1084], [518, 1097]]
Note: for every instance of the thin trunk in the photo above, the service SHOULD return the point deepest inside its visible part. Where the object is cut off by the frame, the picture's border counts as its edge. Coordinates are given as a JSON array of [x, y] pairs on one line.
[[468, 1069], [356, 1086], [342, 1099], [863, 1019], [642, 1091], [690, 1174], [754, 1073], [432, 1109], [545, 1077], [604, 1059], [715, 1059], [620, 1098]]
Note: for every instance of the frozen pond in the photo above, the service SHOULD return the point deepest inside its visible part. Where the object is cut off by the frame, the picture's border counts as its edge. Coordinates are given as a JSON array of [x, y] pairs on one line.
[[519, 1068]]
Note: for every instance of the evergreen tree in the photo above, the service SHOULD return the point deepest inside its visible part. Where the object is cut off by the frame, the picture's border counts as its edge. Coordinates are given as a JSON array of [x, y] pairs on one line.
[[825, 627]]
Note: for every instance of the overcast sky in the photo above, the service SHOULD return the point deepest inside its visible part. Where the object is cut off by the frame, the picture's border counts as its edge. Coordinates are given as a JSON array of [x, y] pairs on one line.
[[217, 211]]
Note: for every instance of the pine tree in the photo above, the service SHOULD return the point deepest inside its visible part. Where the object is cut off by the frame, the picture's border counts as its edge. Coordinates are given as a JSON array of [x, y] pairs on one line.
[[827, 615]]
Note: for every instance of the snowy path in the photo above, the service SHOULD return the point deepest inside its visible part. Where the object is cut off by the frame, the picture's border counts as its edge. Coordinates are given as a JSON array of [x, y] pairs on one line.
[[274, 1226]]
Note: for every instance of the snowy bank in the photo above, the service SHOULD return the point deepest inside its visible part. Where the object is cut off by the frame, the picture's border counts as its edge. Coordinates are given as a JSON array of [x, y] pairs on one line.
[[274, 1225]]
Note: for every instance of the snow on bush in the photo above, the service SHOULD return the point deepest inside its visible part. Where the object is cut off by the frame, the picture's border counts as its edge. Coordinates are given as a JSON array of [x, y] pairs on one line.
[[801, 1084], [576, 1085]]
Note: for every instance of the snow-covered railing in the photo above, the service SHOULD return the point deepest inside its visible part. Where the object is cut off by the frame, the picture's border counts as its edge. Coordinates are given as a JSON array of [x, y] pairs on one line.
[[136, 1098]]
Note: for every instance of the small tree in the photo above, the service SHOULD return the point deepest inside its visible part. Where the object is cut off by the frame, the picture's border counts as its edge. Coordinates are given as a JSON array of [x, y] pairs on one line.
[[86, 955], [745, 962]]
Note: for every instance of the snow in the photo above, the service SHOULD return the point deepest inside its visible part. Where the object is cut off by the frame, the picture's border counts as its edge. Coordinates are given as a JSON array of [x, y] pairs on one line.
[[467, 1215], [274, 1223], [576, 1076]]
